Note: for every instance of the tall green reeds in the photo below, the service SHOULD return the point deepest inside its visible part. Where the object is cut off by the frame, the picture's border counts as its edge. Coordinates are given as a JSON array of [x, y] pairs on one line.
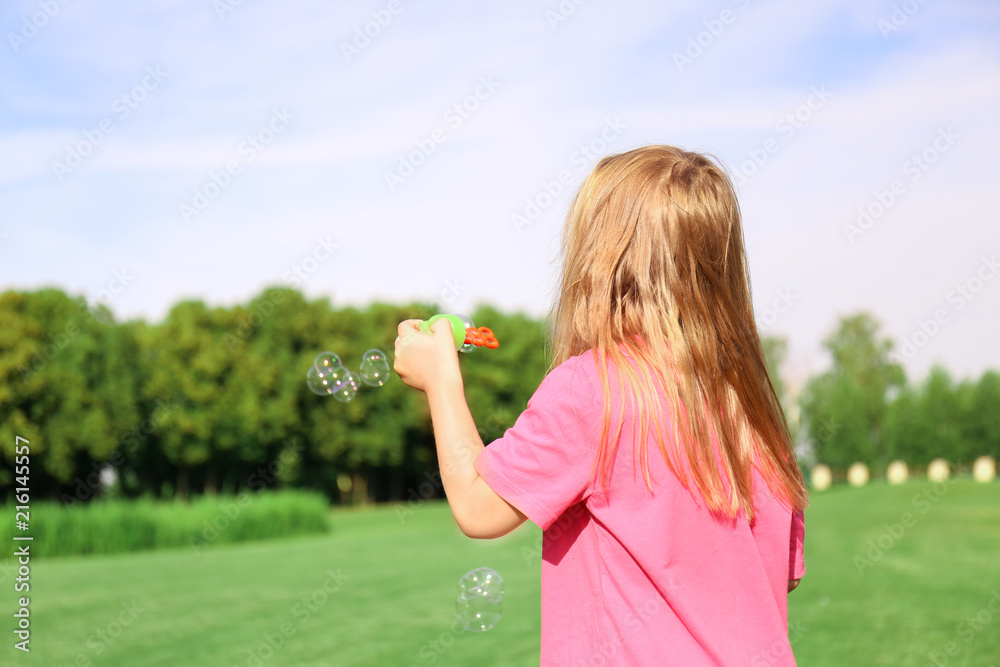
[[114, 526]]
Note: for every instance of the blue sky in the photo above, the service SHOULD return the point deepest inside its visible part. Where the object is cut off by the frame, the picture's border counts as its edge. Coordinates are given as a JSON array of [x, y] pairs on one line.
[[156, 151]]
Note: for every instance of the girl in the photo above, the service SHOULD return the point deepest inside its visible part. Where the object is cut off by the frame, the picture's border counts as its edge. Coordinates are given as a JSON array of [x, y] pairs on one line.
[[654, 455]]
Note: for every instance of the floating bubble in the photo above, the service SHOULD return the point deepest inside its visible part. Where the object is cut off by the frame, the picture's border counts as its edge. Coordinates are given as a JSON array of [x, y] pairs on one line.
[[325, 380], [329, 377], [318, 382], [338, 376], [347, 388], [326, 360], [468, 347], [374, 368], [480, 599]]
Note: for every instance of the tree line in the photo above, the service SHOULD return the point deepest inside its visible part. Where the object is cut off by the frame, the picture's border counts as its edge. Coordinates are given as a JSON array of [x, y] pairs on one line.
[[214, 399], [865, 409]]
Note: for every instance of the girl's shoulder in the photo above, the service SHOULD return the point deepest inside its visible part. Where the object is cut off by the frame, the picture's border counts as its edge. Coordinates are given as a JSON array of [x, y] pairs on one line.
[[579, 380], [571, 388], [587, 365], [582, 367]]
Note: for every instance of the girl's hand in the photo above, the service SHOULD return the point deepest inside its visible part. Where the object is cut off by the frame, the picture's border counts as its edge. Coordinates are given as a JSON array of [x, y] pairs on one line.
[[426, 362]]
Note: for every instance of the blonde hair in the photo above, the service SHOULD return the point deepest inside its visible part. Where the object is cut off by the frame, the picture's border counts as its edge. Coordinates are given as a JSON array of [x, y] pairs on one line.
[[654, 270]]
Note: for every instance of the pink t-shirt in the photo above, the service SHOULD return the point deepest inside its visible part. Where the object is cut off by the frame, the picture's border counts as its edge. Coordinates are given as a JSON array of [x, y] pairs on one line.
[[637, 577]]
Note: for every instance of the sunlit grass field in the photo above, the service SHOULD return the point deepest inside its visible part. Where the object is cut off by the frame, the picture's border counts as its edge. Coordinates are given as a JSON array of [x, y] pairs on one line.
[[379, 589], [873, 595]]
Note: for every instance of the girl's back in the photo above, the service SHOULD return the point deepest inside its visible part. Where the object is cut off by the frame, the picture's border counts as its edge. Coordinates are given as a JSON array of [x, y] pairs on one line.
[[637, 576], [656, 454]]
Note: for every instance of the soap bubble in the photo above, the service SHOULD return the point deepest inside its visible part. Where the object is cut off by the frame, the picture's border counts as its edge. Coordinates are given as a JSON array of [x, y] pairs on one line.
[[468, 347], [325, 360], [318, 382], [374, 368], [325, 380], [329, 377], [480, 599], [347, 389]]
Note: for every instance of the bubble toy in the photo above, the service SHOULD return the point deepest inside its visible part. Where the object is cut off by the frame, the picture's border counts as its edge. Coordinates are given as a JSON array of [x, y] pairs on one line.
[[467, 336]]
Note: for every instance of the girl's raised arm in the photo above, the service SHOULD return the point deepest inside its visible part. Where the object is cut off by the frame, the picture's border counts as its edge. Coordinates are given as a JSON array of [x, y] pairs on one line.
[[430, 364]]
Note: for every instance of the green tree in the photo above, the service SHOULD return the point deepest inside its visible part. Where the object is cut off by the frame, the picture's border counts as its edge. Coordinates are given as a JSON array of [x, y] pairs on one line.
[[939, 413], [844, 408], [191, 368], [67, 386], [904, 430], [775, 352], [498, 383], [981, 420], [958, 422], [381, 439]]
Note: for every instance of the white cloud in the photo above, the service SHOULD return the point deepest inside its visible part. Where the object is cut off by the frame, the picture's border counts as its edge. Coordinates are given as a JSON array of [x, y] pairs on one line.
[[451, 220]]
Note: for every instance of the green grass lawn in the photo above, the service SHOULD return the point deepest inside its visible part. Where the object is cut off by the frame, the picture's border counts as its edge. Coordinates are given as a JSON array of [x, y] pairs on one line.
[[380, 591], [878, 592]]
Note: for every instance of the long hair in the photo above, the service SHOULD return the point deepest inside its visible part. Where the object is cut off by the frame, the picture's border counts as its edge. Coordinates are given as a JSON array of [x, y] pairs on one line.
[[655, 281]]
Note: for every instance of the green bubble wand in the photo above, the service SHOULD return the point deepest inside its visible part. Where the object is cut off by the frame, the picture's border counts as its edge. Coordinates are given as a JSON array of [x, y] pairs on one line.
[[467, 337]]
